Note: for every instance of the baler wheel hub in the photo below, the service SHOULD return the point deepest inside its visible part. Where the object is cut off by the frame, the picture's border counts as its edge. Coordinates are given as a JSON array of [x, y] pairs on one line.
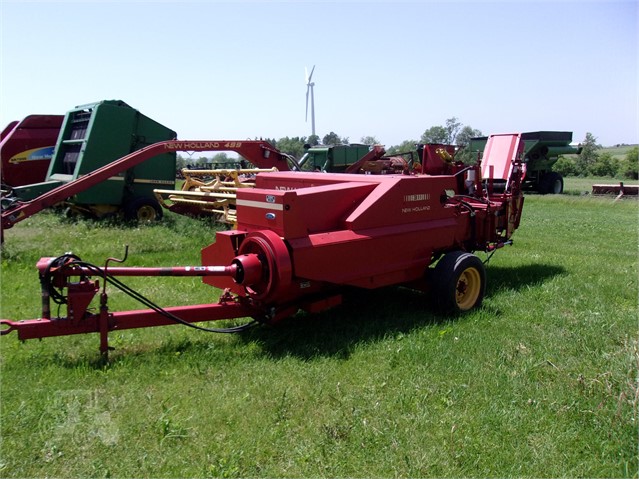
[[142, 209], [468, 288], [459, 282], [146, 213]]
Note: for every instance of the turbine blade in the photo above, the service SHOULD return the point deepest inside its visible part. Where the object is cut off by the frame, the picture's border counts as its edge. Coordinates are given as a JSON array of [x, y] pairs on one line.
[[306, 118], [311, 75]]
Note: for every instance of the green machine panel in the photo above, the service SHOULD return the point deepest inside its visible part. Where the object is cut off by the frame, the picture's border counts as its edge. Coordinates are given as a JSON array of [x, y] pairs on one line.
[[541, 148], [97, 134], [335, 159]]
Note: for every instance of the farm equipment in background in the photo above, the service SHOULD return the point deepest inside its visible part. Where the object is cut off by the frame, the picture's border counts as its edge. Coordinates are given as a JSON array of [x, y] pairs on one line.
[[619, 190], [213, 192], [303, 239], [91, 137], [142, 206], [541, 152], [332, 158], [371, 159], [26, 149], [209, 192], [427, 159]]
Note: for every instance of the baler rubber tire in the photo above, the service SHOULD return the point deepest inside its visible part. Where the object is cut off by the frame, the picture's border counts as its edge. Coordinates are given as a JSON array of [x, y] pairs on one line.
[[459, 282]]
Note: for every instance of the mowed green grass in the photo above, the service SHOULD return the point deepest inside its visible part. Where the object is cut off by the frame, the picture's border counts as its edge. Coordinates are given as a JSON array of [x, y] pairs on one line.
[[539, 382]]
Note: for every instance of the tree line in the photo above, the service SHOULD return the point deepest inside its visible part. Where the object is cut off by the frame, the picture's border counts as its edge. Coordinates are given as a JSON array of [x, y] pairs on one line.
[[594, 162], [452, 133]]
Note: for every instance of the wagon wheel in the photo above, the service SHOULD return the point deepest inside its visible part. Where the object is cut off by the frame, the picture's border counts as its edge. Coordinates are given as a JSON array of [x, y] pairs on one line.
[[143, 209], [459, 282], [551, 183]]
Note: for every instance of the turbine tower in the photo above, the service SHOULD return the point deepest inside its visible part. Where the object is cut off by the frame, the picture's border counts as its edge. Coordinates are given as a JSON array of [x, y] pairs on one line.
[[309, 88]]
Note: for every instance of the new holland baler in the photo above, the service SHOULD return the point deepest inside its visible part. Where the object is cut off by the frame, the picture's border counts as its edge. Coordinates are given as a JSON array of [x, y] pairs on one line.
[[26, 149], [304, 238]]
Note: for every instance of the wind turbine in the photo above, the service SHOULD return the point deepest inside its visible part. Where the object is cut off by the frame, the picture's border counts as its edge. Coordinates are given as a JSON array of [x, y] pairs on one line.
[[309, 88]]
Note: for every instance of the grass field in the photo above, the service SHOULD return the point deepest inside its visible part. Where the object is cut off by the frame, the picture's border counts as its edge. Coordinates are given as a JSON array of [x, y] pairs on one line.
[[539, 382], [619, 152]]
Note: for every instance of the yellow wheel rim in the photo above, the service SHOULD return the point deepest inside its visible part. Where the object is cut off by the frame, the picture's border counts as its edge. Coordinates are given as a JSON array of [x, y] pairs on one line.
[[146, 213], [468, 288]]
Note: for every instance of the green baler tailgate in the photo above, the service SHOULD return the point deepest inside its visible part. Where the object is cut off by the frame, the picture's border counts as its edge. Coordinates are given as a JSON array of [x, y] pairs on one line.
[[97, 134]]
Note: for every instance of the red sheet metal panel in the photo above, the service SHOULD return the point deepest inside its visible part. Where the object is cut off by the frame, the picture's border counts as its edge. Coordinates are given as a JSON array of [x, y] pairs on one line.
[[27, 147], [499, 156], [296, 213]]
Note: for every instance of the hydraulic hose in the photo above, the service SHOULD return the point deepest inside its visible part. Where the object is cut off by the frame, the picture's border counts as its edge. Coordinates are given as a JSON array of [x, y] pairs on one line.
[[70, 260]]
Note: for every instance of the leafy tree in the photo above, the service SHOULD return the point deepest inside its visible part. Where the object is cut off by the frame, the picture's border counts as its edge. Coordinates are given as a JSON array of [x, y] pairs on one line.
[[292, 146], [604, 165], [403, 147], [180, 162], [452, 129], [369, 140], [463, 140], [220, 157], [454, 133], [313, 140], [466, 156], [334, 139], [565, 166], [629, 167], [588, 156], [435, 134], [465, 134]]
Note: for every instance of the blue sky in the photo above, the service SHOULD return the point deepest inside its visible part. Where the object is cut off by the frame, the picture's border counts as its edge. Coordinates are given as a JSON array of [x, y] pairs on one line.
[[235, 70]]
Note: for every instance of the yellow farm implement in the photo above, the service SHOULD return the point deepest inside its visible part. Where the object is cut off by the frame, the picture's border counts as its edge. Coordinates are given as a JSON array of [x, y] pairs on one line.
[[209, 192]]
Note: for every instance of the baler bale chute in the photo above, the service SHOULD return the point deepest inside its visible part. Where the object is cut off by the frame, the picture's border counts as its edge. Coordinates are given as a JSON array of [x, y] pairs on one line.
[[303, 239]]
